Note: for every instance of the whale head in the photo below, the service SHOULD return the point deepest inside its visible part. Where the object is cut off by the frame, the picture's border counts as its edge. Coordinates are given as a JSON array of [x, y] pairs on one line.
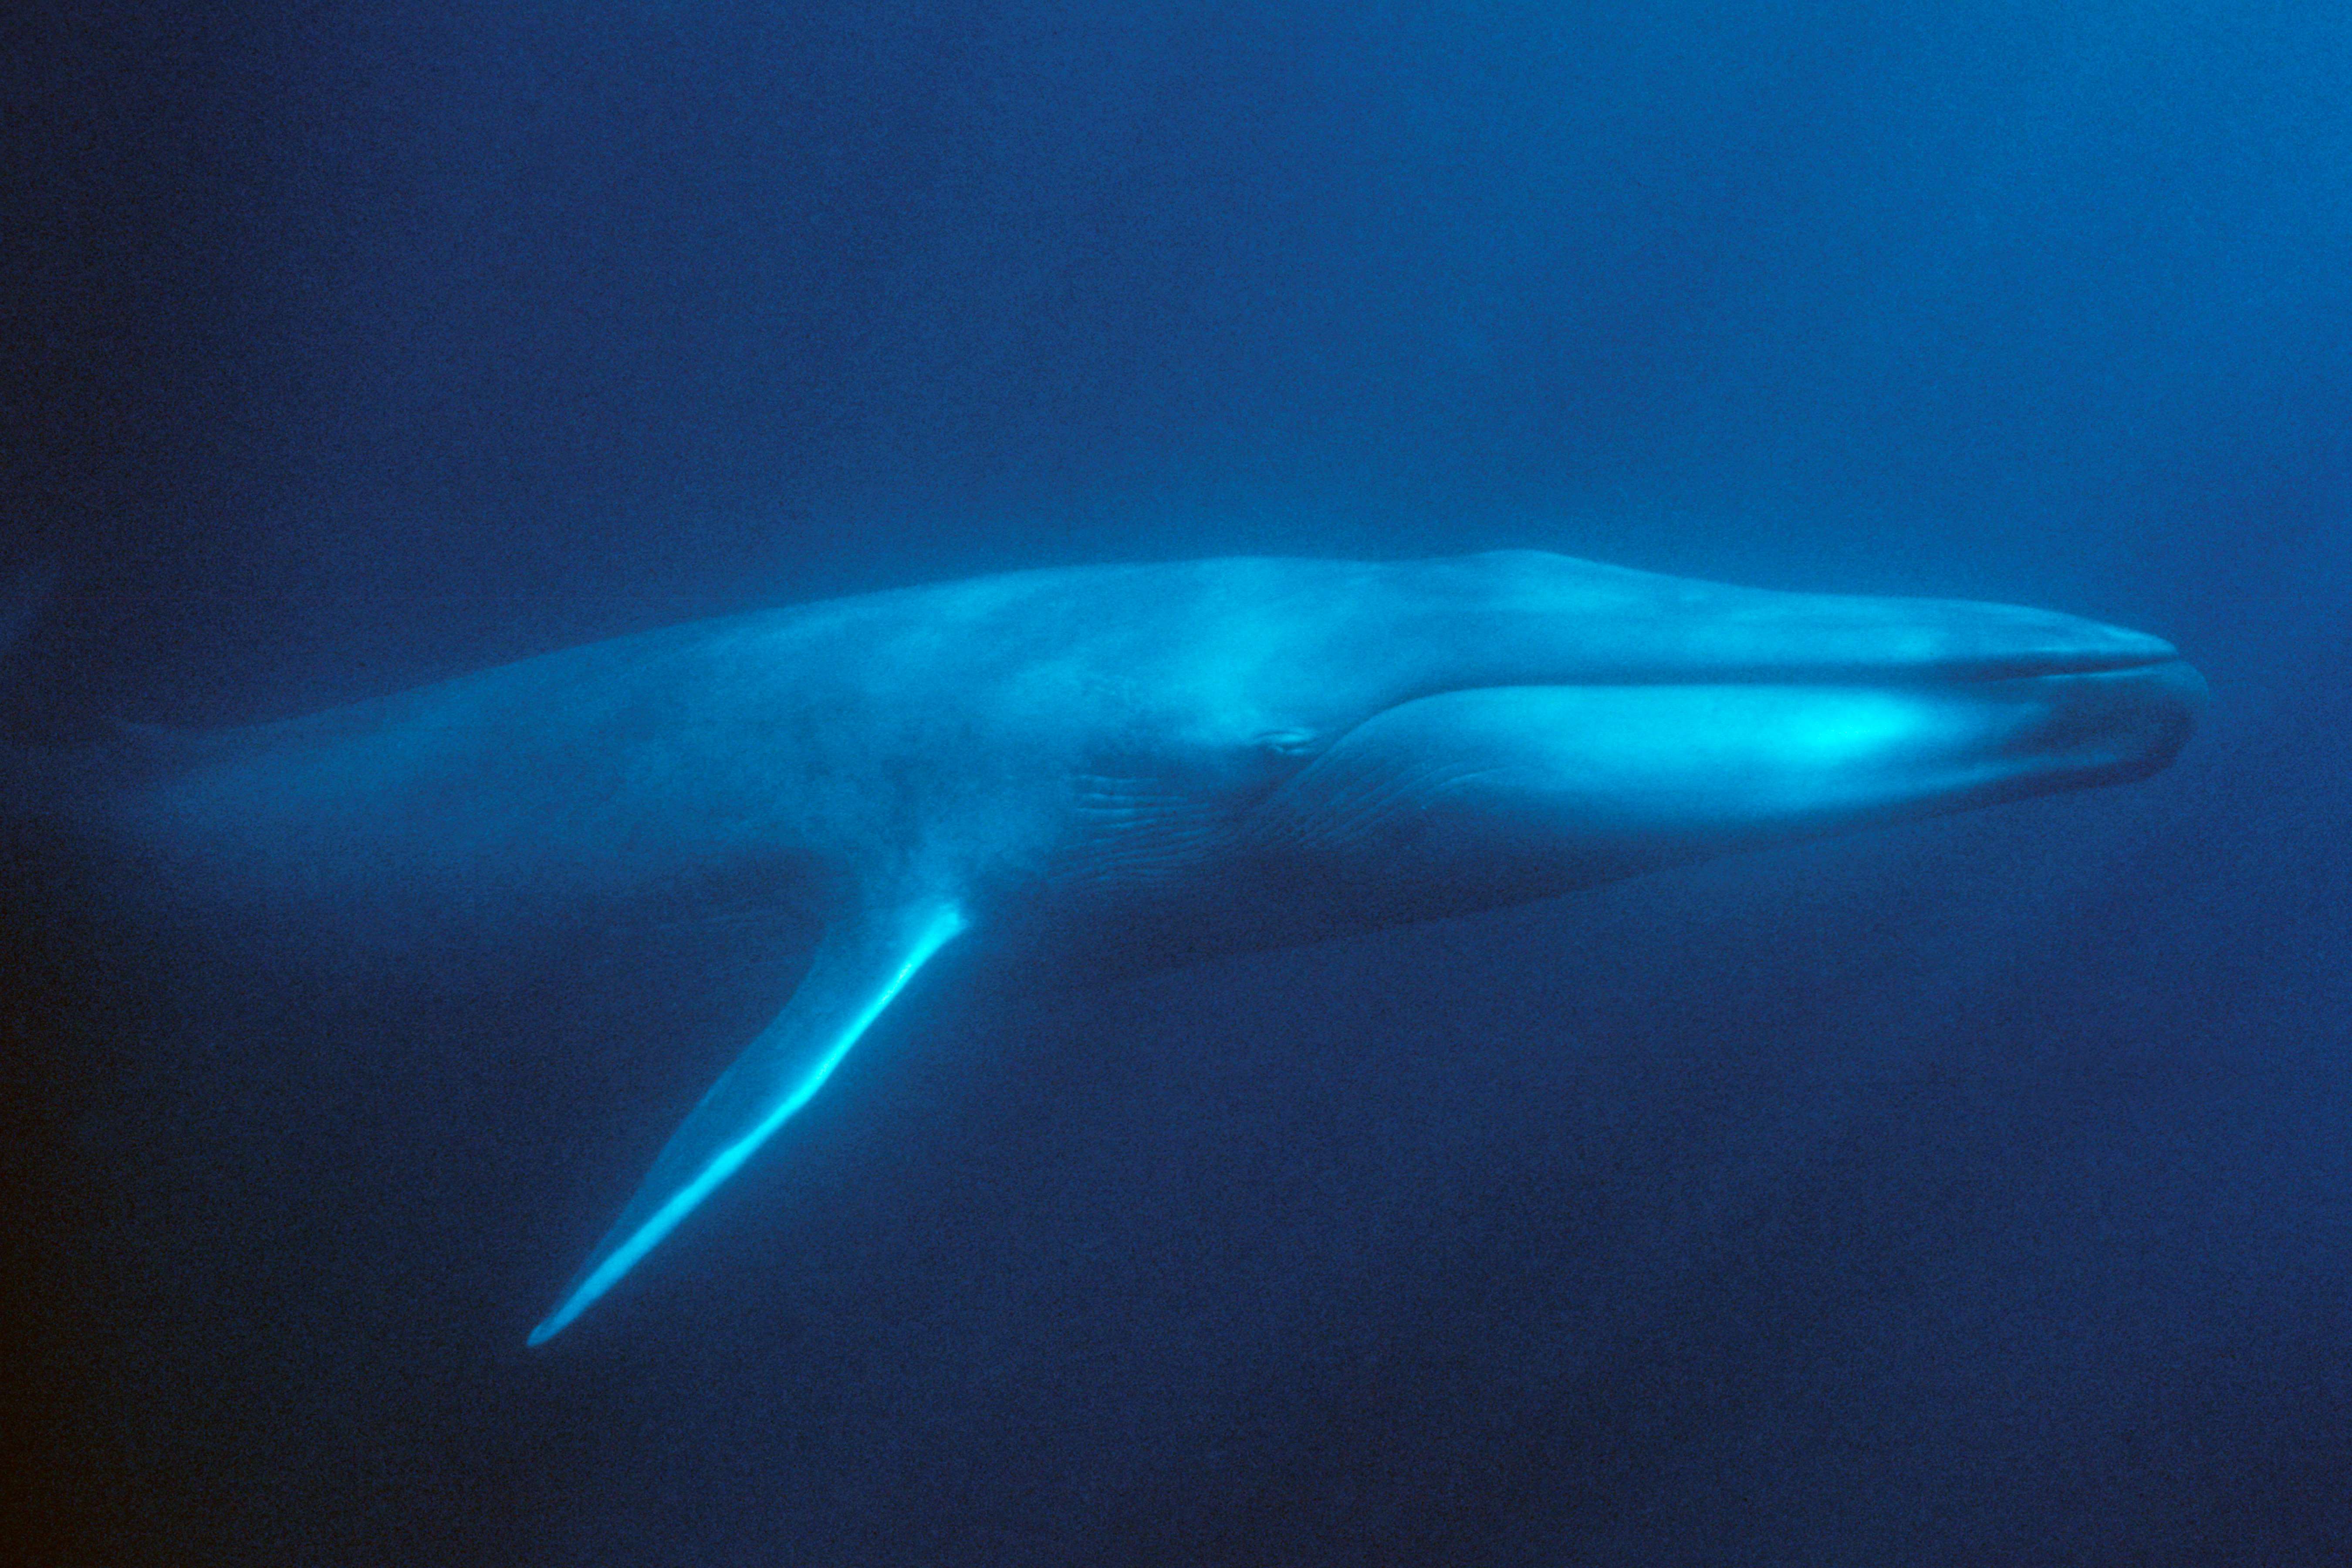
[[1466, 733]]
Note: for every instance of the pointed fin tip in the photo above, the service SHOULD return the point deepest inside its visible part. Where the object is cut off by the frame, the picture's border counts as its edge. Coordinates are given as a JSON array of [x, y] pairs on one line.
[[620, 1259], [944, 922]]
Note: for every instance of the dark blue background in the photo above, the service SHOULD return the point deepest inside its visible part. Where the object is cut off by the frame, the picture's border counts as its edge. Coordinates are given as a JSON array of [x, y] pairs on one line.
[[1976, 1193]]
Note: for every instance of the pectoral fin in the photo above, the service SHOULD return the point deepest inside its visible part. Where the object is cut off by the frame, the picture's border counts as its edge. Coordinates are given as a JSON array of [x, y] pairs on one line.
[[862, 963]]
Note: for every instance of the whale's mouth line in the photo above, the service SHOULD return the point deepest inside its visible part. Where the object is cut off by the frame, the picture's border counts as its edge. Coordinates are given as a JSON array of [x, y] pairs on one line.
[[1891, 677]]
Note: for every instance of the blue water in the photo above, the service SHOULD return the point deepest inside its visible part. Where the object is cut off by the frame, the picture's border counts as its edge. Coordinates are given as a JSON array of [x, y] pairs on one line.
[[1978, 1192]]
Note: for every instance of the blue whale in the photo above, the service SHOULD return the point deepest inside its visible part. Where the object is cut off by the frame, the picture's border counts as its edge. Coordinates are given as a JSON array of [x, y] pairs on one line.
[[1125, 767]]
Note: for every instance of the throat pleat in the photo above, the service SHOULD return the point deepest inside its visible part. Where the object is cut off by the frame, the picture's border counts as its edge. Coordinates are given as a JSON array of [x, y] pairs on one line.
[[1130, 831]]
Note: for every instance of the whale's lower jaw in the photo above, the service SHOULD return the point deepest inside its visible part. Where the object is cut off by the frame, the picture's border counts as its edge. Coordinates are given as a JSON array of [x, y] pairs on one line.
[[1485, 797]]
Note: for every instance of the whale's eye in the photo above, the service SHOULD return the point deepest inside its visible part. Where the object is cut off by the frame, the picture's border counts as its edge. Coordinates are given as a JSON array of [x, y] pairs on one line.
[[1288, 742]]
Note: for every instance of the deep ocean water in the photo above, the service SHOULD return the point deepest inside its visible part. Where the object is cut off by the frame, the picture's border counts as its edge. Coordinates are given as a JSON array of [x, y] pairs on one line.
[[1976, 1191]]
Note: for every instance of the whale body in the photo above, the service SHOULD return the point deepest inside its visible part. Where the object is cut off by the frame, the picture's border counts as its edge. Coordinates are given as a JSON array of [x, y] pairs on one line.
[[1127, 767]]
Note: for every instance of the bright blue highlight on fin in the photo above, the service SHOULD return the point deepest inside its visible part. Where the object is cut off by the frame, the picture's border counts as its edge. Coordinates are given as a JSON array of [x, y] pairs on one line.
[[860, 967]]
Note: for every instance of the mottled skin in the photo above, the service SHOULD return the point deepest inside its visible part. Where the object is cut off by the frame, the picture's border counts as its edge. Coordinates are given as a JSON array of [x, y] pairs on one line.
[[1125, 767]]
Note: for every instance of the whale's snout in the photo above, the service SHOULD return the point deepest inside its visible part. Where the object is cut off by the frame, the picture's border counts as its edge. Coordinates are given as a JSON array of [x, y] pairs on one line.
[[2109, 727]]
